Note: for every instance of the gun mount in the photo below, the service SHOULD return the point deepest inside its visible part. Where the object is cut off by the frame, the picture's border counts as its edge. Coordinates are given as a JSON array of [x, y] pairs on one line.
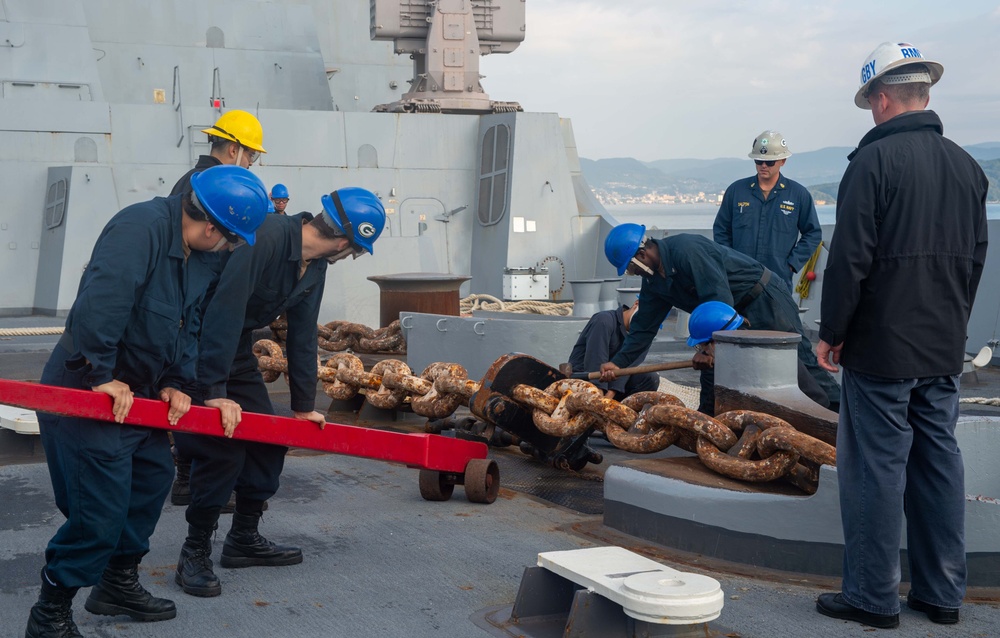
[[445, 39]]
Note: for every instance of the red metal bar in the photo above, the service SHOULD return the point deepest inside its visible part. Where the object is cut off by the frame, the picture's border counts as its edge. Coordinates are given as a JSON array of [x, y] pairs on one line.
[[424, 451]]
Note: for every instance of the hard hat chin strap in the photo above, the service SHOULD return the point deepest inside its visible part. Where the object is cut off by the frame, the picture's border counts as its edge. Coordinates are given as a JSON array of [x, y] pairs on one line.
[[642, 266], [345, 221], [230, 136]]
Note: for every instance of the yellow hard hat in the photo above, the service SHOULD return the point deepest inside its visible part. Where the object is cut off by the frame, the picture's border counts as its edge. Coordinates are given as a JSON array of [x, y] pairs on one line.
[[240, 127]]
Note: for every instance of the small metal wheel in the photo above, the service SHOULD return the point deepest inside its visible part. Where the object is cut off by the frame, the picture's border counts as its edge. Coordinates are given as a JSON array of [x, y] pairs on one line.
[[434, 486], [482, 481]]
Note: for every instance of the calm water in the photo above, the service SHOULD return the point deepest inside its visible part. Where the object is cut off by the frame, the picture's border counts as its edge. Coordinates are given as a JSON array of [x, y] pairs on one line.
[[701, 216]]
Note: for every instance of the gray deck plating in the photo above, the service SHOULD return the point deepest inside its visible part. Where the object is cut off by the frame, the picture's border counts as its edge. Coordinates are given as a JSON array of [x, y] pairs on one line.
[[380, 560]]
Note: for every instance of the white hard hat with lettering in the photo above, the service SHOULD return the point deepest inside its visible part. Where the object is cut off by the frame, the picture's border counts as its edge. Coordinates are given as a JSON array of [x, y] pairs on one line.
[[892, 55]]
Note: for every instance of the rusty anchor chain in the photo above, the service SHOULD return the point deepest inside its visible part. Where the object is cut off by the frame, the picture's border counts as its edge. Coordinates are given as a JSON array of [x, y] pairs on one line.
[[337, 336], [740, 444], [767, 449]]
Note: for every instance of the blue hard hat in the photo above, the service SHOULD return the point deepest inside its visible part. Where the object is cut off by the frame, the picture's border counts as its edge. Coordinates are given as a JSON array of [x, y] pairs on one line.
[[278, 191], [270, 206], [355, 212], [622, 243], [709, 317], [234, 198]]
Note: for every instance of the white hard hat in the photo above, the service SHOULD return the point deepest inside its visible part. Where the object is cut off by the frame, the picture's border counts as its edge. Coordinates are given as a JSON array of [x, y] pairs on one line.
[[892, 55], [769, 145]]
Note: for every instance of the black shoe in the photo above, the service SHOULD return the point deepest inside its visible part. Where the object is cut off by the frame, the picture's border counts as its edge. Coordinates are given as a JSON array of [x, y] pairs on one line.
[[245, 547], [834, 606], [194, 567], [119, 593], [52, 615], [940, 615]]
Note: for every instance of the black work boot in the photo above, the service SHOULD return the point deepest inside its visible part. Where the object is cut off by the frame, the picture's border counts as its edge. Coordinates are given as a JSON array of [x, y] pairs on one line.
[[194, 567], [119, 593], [52, 615], [244, 547], [180, 491]]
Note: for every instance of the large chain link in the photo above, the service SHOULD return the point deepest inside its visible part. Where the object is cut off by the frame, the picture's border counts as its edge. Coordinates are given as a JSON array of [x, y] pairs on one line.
[[768, 448], [337, 336], [744, 445]]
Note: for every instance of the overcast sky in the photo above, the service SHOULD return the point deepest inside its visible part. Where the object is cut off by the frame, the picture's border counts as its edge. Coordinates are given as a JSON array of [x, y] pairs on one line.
[[662, 79]]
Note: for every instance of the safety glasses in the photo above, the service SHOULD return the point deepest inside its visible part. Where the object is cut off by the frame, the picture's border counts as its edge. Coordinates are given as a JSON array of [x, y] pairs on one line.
[[350, 251], [765, 162]]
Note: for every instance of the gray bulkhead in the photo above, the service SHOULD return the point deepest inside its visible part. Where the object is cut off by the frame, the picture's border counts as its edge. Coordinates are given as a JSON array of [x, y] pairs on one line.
[[103, 102]]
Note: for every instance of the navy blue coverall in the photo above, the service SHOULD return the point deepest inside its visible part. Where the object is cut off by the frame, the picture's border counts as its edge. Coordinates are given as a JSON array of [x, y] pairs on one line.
[[600, 340], [769, 229], [259, 283], [135, 319], [694, 270]]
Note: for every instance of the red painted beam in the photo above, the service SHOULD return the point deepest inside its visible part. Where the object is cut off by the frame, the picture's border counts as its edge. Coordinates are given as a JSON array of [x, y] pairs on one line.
[[424, 451]]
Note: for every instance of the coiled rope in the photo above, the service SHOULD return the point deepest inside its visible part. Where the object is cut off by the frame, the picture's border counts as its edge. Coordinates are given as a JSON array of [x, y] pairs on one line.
[[981, 401], [491, 303]]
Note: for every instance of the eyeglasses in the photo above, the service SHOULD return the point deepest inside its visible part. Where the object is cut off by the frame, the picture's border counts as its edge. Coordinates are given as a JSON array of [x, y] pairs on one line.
[[768, 162]]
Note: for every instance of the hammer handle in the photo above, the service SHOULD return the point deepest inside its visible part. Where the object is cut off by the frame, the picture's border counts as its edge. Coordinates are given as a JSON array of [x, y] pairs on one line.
[[652, 367]]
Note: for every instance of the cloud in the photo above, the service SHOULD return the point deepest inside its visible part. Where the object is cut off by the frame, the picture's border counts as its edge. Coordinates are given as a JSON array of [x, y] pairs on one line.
[[655, 78]]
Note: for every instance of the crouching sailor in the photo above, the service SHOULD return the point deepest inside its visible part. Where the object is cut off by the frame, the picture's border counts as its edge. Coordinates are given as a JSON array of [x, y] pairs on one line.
[[131, 332]]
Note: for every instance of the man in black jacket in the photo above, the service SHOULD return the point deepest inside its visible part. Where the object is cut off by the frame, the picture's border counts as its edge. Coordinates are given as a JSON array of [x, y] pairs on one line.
[[905, 261]]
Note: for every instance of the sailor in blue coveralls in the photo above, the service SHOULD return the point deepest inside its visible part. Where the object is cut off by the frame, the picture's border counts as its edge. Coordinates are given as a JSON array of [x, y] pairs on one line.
[[237, 139], [600, 340], [284, 272], [131, 332], [686, 270], [768, 216]]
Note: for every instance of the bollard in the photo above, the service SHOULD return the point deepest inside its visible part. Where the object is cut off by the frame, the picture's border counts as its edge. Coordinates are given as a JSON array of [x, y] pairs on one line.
[[758, 370], [609, 295], [586, 296]]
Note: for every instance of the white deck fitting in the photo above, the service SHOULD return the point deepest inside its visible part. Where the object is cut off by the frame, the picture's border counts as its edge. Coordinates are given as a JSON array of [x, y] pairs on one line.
[[17, 419], [645, 589]]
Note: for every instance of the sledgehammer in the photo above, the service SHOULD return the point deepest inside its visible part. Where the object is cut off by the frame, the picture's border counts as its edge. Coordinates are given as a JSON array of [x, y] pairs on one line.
[[624, 372]]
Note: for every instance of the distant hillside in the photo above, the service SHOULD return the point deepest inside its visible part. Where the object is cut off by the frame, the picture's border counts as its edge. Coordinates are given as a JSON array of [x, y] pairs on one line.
[[985, 151], [825, 192], [828, 192], [992, 170], [627, 180], [624, 175]]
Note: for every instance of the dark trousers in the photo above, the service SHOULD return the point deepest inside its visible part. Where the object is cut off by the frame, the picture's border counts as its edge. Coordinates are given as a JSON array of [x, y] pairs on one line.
[[645, 382], [896, 452], [110, 482], [220, 465]]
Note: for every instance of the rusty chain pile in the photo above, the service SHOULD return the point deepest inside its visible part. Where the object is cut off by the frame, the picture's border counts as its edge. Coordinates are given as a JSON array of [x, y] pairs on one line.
[[338, 336], [740, 444], [766, 449]]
